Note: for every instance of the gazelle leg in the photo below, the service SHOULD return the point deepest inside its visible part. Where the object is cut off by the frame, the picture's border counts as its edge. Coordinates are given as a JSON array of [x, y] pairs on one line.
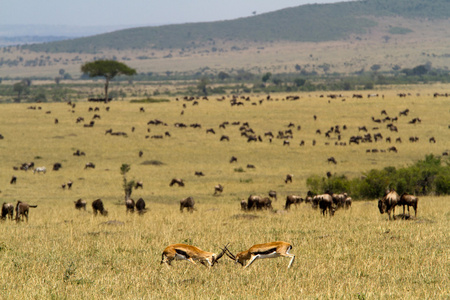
[[292, 256], [252, 260]]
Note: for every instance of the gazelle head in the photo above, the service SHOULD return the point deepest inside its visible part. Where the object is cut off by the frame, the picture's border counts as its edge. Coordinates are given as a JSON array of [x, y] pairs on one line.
[[237, 258], [216, 258]]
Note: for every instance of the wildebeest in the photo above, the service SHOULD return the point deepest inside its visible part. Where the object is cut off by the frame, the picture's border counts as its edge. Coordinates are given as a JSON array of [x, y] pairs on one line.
[[13, 180], [199, 173], [7, 211], [139, 184], [177, 181], [140, 206], [332, 160], [233, 159], [80, 204], [326, 203], [187, 203], [57, 166], [273, 195], [288, 178], [348, 203], [339, 199], [40, 170], [408, 200], [388, 203], [129, 203], [89, 165], [292, 199], [97, 206], [22, 209], [257, 202], [218, 189]]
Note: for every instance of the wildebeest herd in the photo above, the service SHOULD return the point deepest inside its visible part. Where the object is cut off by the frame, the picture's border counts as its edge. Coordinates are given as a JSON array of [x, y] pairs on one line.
[[328, 203]]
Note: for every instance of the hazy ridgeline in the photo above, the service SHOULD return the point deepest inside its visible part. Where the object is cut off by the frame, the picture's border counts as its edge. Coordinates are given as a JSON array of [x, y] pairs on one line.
[[65, 253]]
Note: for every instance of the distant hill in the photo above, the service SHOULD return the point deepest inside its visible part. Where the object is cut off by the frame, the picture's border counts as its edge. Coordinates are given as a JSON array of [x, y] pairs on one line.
[[306, 23]]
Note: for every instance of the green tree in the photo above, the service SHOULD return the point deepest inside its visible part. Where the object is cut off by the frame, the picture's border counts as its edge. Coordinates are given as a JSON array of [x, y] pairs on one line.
[[266, 76], [202, 85], [127, 185], [108, 69], [20, 88]]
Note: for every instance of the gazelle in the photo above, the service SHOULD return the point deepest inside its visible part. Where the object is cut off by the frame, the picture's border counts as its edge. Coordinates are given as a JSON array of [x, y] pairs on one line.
[[190, 253], [267, 250]]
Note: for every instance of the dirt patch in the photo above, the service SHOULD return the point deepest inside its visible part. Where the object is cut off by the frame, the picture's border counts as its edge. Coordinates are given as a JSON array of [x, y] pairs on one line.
[[245, 217], [152, 163], [113, 222]]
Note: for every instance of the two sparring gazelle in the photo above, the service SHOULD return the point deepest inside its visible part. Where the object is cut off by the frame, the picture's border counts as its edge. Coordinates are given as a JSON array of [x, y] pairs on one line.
[[193, 254], [190, 253]]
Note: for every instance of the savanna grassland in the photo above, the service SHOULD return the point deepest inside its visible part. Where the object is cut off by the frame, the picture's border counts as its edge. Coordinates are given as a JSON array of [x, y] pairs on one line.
[[64, 253]]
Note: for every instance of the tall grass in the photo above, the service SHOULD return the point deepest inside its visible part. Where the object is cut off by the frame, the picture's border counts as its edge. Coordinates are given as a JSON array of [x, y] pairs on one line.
[[65, 253]]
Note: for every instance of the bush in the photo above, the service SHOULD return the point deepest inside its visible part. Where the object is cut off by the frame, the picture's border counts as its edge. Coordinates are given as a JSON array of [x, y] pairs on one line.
[[428, 176]]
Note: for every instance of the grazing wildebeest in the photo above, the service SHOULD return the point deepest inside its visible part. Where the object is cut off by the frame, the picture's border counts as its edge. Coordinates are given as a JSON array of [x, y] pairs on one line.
[[388, 203], [187, 203], [339, 199], [326, 202], [332, 160], [129, 203], [177, 181], [40, 170], [7, 211], [199, 173], [292, 199], [80, 204], [288, 178], [69, 184], [224, 138], [265, 203], [89, 165], [79, 153], [218, 189], [233, 159], [273, 195], [244, 205], [139, 184], [408, 200], [13, 180], [348, 203], [140, 206], [57, 166], [22, 209], [97, 206]]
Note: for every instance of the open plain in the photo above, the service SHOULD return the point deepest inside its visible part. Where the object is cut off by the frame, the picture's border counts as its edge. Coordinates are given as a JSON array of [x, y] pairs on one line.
[[64, 253]]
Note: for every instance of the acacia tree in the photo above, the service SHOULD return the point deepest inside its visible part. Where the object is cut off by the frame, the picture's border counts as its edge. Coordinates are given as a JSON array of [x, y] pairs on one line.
[[108, 69]]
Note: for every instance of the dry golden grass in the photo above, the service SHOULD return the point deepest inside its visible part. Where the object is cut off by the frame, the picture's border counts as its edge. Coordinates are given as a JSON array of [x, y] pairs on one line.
[[65, 253]]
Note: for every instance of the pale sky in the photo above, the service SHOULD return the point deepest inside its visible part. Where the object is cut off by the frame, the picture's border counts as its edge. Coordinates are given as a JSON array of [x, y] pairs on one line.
[[135, 13]]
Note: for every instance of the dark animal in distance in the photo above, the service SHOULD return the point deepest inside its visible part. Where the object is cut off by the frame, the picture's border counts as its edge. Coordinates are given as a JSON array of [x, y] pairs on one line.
[[89, 165], [187, 203], [292, 199], [80, 204], [7, 211], [218, 189], [140, 206], [139, 184], [288, 178], [129, 203], [177, 181], [388, 203], [326, 203], [97, 206], [22, 210], [273, 195], [408, 200], [13, 180]]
